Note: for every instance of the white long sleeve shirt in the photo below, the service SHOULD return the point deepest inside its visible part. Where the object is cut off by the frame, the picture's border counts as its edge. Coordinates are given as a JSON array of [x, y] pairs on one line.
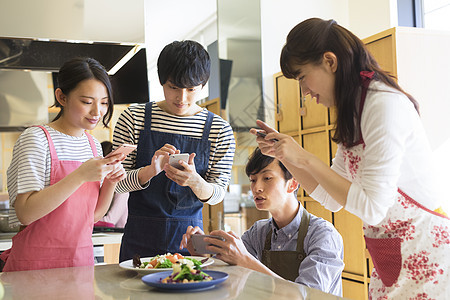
[[396, 155]]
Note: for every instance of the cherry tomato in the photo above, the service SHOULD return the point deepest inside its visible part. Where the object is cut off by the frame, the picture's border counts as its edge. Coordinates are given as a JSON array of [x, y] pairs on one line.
[[178, 256]]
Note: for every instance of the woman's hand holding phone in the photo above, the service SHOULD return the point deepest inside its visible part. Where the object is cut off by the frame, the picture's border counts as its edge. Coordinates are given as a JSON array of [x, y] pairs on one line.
[[281, 146], [96, 169]]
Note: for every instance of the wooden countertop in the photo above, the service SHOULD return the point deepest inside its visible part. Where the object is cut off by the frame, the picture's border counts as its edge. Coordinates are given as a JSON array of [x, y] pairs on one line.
[[114, 282]]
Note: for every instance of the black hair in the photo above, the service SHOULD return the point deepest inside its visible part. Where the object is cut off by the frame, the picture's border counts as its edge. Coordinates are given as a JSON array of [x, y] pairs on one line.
[[258, 161], [308, 41], [78, 69], [186, 64]]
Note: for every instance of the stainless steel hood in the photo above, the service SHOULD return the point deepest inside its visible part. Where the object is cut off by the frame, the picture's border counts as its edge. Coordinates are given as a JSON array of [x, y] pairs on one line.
[[32, 54], [27, 65]]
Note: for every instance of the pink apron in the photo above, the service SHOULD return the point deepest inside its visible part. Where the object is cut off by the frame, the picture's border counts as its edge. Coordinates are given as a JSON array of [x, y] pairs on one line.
[[62, 238], [409, 247]]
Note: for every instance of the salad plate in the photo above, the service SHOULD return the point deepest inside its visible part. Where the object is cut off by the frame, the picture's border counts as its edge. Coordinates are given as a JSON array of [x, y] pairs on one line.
[[154, 280], [128, 264]]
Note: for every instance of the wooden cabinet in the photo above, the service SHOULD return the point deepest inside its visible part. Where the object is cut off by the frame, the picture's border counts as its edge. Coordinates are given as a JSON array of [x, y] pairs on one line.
[[287, 103]]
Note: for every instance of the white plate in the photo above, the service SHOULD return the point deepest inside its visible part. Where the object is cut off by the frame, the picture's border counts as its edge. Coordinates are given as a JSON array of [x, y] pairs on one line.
[[128, 264]]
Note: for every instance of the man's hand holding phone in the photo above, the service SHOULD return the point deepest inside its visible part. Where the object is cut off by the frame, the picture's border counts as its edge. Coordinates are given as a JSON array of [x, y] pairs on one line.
[[194, 241], [174, 160], [200, 244]]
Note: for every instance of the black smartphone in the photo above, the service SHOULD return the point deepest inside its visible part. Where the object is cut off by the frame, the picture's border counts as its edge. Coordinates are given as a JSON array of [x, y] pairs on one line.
[[199, 244], [263, 135]]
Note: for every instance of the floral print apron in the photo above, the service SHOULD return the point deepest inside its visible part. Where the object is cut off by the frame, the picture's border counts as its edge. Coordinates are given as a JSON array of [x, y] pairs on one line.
[[409, 247]]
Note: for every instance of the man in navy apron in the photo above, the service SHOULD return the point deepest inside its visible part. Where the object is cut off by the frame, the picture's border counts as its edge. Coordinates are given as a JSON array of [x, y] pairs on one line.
[[167, 199]]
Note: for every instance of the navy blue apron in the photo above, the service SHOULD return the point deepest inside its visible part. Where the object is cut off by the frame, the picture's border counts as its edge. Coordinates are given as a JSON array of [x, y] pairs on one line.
[[159, 215]]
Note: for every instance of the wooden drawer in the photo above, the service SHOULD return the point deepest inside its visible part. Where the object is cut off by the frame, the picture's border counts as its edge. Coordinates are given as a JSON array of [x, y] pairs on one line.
[[354, 289]]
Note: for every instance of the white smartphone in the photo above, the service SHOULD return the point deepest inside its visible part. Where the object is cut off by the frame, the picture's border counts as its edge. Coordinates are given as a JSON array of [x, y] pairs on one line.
[[199, 244], [124, 148], [175, 158]]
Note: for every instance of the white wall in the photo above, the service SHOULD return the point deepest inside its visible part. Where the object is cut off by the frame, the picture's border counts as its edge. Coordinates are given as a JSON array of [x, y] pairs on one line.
[[277, 19], [367, 17], [176, 20], [423, 73], [86, 20]]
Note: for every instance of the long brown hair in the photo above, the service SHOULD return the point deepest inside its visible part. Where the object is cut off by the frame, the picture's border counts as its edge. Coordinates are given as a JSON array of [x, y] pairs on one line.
[[308, 41]]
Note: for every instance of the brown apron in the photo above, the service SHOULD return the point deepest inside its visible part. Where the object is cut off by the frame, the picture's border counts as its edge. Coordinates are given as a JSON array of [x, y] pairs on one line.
[[287, 263]]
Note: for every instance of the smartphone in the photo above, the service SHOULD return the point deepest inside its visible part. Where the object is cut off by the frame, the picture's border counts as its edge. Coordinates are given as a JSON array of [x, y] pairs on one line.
[[199, 244], [124, 148], [263, 134], [175, 158]]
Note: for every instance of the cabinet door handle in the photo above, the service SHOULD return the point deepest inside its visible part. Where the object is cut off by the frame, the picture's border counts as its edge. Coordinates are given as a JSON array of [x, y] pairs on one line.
[[279, 115], [302, 109]]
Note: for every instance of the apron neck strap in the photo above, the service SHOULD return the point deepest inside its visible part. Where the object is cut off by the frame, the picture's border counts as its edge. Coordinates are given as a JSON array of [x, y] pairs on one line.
[[208, 124], [366, 78], [302, 231], [92, 144], [51, 146], [148, 116]]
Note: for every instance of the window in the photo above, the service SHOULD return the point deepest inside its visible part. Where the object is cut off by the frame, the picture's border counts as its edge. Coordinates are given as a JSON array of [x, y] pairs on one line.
[[436, 14]]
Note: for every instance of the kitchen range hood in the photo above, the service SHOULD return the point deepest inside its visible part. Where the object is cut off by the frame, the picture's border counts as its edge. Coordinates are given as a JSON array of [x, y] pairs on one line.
[[28, 69], [34, 54]]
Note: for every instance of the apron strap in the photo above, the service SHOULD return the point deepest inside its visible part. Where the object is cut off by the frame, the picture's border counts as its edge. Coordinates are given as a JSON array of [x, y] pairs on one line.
[[366, 78], [302, 231], [148, 116], [92, 144], [207, 128], [268, 240], [53, 155]]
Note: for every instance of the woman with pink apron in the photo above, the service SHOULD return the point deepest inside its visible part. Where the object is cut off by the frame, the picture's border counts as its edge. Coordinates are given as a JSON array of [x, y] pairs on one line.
[[381, 145], [62, 238], [55, 174]]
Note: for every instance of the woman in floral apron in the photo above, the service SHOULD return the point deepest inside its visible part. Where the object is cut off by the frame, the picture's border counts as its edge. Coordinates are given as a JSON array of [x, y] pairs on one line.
[[381, 172]]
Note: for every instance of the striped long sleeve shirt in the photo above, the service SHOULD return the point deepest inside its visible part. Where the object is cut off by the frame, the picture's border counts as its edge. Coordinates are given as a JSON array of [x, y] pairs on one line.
[[131, 123]]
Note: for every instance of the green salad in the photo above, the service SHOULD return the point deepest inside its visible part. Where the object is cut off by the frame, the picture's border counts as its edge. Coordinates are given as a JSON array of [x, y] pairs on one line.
[[187, 270]]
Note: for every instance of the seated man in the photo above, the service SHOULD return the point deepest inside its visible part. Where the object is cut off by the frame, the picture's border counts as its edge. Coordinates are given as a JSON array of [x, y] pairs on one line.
[[293, 244]]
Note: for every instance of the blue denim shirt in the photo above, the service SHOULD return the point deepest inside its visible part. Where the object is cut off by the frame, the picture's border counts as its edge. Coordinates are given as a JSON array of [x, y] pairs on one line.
[[323, 265]]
